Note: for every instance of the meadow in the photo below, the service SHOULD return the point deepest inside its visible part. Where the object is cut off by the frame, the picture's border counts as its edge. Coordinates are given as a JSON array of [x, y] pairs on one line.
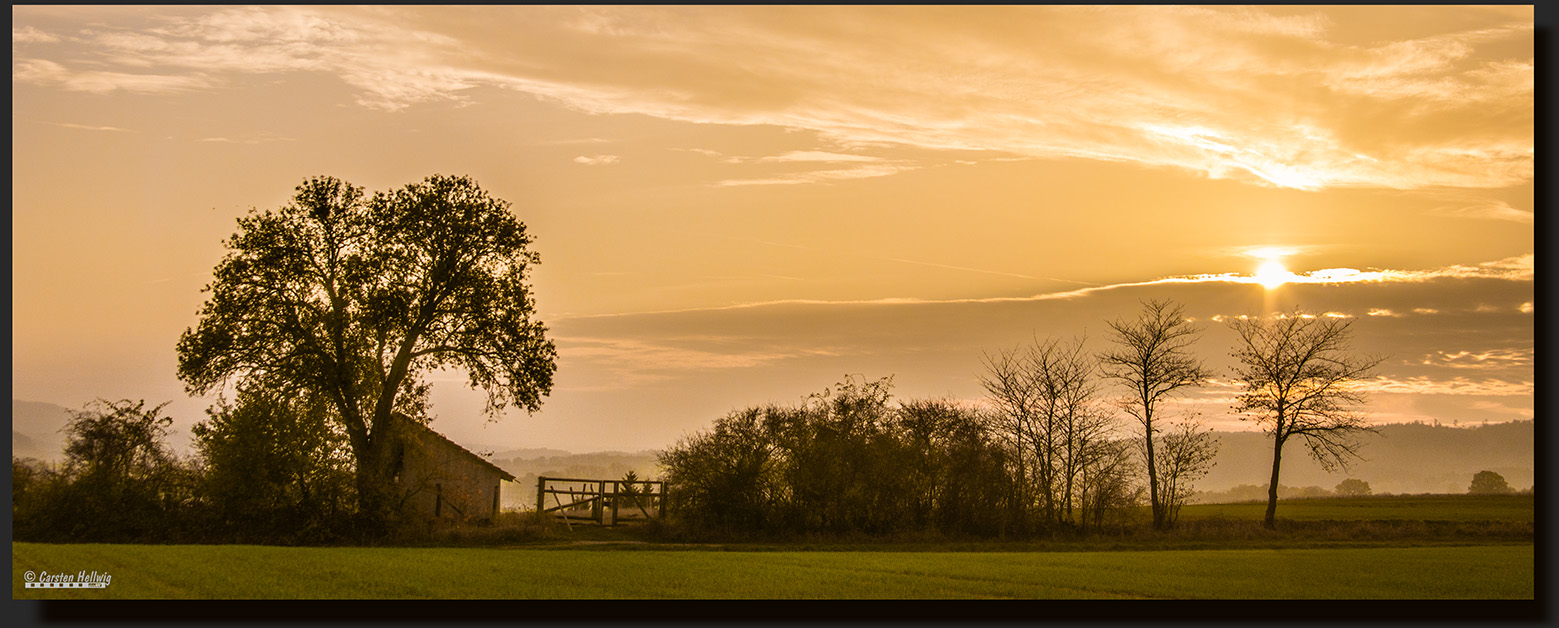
[[255, 572], [1408, 547]]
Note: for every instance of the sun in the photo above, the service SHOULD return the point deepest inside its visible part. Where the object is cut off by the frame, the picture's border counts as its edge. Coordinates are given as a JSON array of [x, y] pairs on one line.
[[1272, 274]]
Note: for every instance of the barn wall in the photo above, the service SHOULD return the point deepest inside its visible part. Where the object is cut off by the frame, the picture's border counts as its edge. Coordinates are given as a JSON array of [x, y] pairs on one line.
[[434, 470]]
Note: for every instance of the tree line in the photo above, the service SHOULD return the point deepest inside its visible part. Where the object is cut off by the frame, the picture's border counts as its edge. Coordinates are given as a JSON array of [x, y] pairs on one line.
[[1047, 450]]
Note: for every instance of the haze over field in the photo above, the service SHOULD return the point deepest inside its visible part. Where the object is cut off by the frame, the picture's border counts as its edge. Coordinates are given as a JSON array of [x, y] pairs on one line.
[[740, 205]]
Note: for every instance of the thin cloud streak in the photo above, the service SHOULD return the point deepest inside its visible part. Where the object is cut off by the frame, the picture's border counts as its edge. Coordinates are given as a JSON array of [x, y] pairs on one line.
[[1518, 268]]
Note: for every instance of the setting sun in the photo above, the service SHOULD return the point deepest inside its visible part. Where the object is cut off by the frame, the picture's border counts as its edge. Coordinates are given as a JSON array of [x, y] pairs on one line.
[[1272, 274]]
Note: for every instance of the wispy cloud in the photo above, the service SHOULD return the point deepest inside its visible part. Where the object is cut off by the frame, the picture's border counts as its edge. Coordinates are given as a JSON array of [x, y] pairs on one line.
[[1453, 386], [30, 35], [1518, 268], [814, 155], [258, 139], [46, 72], [1271, 96], [1486, 359], [819, 176], [90, 127], [596, 160]]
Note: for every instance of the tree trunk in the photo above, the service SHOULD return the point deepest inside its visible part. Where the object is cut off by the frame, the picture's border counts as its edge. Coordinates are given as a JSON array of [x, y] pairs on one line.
[[374, 500], [1153, 501], [1272, 488]]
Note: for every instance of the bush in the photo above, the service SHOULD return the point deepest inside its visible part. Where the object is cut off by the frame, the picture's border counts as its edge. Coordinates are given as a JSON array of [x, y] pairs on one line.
[[1489, 483], [843, 462]]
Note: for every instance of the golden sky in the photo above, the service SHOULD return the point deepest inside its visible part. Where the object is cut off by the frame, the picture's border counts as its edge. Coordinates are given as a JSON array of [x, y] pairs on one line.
[[739, 205]]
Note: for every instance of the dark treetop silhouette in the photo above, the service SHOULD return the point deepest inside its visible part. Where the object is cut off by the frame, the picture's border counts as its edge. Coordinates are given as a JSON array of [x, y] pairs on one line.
[[352, 298]]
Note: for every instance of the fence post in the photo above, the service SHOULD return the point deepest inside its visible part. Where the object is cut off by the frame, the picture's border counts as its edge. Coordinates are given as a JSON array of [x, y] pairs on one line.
[[541, 493], [595, 508], [615, 490]]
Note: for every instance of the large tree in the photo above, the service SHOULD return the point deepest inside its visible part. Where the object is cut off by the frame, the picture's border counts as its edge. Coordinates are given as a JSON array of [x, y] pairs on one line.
[[1300, 377], [1152, 357], [352, 299]]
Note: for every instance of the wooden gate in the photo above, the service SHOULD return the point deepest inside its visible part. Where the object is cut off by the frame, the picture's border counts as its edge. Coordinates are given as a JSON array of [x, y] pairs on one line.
[[607, 502]]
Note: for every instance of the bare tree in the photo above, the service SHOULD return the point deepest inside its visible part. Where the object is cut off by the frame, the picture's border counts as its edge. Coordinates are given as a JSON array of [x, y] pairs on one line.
[[1299, 375], [1047, 402], [1152, 357], [1186, 453]]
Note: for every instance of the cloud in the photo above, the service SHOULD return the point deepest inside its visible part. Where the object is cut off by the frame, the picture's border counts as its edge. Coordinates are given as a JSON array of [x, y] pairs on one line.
[[1489, 209], [818, 176], [30, 35], [1486, 359], [46, 72], [596, 160], [813, 155], [88, 127], [1270, 96], [1454, 386], [258, 139]]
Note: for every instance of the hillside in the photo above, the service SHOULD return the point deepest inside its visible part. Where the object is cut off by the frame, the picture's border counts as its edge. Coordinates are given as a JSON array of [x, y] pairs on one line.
[[36, 430]]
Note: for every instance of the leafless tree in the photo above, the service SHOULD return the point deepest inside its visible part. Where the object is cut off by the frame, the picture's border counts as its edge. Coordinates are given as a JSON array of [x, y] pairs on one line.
[[1300, 377], [1047, 402], [1185, 455], [1152, 356]]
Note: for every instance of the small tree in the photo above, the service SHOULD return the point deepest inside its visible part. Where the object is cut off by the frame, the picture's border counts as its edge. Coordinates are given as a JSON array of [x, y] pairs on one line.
[[1186, 454], [276, 468], [1353, 488], [1152, 357], [1488, 483], [1298, 372], [119, 481]]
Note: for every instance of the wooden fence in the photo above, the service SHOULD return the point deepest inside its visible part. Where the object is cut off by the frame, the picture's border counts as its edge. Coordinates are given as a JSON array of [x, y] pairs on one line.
[[605, 499]]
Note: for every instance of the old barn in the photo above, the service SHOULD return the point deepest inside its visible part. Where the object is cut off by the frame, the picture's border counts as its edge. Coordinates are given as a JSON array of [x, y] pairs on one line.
[[437, 478]]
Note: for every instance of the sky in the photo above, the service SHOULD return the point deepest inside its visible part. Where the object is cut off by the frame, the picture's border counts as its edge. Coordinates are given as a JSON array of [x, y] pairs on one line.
[[737, 206]]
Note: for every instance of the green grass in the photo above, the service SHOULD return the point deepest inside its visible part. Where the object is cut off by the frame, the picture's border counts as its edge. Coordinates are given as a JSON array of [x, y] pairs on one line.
[[1460, 508], [254, 572]]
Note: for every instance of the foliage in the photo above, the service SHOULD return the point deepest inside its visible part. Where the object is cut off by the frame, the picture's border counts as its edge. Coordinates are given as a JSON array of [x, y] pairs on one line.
[[1352, 487], [118, 482], [845, 461], [1152, 358], [275, 468], [353, 299], [1298, 372], [1488, 483]]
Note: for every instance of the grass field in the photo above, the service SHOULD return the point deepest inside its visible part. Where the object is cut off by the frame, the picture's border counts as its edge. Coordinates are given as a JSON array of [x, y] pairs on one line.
[[253, 572], [1373, 548], [1506, 508]]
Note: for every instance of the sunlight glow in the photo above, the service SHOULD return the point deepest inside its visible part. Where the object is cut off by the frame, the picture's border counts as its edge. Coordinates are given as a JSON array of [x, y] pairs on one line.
[[1272, 274]]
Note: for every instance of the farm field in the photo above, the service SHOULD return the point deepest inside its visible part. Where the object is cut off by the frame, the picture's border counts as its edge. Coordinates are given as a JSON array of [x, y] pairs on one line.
[[1508, 508], [255, 572]]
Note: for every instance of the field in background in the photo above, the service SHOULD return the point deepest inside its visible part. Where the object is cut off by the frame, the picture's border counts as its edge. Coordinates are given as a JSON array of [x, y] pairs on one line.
[[251, 572], [1503, 508]]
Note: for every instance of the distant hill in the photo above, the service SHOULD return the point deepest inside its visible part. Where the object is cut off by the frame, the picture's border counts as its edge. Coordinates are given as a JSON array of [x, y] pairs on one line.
[[1401, 458], [37, 430]]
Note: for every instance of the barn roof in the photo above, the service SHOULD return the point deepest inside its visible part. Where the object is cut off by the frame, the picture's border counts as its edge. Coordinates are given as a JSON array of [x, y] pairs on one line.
[[479, 460]]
